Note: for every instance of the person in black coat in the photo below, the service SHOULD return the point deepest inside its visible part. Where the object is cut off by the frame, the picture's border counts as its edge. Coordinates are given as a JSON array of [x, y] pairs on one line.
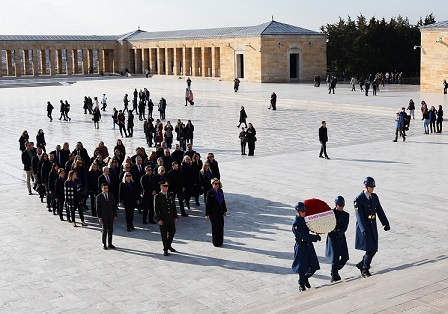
[[336, 246], [24, 138], [176, 186], [187, 181], [323, 139], [215, 210], [80, 150], [131, 124], [243, 117], [251, 139], [189, 131], [138, 171], [49, 110], [110, 180], [149, 186], [166, 216], [107, 214], [214, 167], [27, 161], [40, 140], [273, 101], [52, 187], [59, 196], [92, 185], [129, 198]]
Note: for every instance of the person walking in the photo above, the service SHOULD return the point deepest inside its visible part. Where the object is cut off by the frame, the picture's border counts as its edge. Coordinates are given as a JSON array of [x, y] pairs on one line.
[[27, 161], [165, 210], [439, 119], [66, 110], [445, 86], [62, 110], [96, 118], [243, 117], [367, 208], [411, 108], [236, 84], [336, 247], [243, 140], [104, 102], [399, 123], [273, 101], [353, 83], [305, 259], [188, 83], [107, 215], [130, 123], [122, 123], [251, 139], [49, 110], [323, 139], [215, 210]]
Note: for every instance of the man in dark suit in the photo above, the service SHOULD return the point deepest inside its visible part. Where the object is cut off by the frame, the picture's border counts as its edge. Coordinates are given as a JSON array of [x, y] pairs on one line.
[[137, 172], [165, 210], [57, 156], [106, 178], [27, 161], [106, 209], [323, 139], [149, 186]]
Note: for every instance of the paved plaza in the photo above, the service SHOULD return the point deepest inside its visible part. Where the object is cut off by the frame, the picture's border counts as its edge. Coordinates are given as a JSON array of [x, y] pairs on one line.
[[48, 266]]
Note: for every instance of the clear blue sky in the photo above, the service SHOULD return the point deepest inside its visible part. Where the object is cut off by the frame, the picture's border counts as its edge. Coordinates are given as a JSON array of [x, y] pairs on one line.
[[104, 17]]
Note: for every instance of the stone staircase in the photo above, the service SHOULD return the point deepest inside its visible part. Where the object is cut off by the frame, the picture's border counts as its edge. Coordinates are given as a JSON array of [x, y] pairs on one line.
[[421, 286]]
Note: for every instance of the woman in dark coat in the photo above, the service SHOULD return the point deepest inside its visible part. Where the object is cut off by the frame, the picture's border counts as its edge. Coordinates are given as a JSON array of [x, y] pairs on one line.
[[73, 197], [439, 119], [120, 147], [215, 210], [59, 196], [128, 198], [187, 179], [40, 140], [205, 175], [81, 174], [52, 187], [92, 185], [96, 117], [43, 172], [22, 140], [197, 166], [131, 124], [65, 153], [243, 117], [251, 139]]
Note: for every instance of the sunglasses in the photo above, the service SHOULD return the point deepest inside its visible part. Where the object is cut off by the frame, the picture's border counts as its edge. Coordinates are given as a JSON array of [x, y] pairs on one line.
[[216, 183]]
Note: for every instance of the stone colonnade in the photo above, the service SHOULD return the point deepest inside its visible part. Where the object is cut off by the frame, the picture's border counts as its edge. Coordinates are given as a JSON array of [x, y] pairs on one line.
[[187, 61], [52, 61]]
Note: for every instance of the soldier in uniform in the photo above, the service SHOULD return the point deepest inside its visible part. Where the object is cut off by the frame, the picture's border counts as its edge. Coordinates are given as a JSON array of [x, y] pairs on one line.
[[305, 259], [336, 247], [367, 208], [165, 210]]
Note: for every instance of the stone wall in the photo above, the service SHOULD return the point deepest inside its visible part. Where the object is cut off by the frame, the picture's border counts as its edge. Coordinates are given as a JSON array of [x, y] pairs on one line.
[[434, 59]]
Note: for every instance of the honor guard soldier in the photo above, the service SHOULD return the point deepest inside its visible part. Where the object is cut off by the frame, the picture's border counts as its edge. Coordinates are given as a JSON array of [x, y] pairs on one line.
[[305, 259], [336, 247], [165, 210], [367, 208]]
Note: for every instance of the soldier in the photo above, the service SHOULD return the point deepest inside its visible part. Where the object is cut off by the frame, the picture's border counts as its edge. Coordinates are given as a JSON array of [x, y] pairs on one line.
[[367, 207], [305, 259], [336, 247], [165, 210]]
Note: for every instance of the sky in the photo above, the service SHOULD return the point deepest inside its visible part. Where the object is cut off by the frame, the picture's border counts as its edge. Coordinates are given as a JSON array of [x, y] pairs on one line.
[[115, 17]]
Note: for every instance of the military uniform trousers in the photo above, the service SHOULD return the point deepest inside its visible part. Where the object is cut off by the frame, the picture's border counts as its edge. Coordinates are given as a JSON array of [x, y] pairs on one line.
[[167, 232]]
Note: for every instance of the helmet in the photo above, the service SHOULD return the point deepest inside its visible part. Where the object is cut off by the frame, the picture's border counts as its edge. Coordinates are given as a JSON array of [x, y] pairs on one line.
[[300, 207], [339, 200], [369, 182]]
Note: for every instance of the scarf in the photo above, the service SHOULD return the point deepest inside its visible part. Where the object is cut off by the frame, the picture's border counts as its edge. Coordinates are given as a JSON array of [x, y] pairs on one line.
[[219, 195]]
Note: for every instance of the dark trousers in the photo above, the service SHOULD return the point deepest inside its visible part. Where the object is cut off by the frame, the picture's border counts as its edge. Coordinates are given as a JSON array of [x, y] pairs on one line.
[[60, 209], [180, 198], [243, 148], [150, 112], [337, 264], [122, 128], [49, 115], [80, 212], [129, 216], [367, 259], [107, 230], [432, 125], [148, 208], [399, 131], [303, 276], [130, 131], [92, 203], [439, 126], [167, 232], [323, 149], [243, 122], [217, 230], [62, 116], [251, 146]]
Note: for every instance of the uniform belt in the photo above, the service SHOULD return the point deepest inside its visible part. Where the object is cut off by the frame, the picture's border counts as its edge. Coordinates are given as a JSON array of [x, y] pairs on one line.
[[371, 216]]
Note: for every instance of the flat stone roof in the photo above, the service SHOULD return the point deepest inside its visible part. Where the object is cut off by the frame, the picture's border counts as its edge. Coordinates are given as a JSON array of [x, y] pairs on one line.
[[436, 25], [58, 37]]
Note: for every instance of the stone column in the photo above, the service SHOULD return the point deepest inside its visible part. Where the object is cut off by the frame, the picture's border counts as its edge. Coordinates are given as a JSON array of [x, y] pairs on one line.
[[160, 60], [43, 62], [8, 63], [138, 61], [85, 63], [17, 65], [177, 60], [52, 62], [69, 59], [194, 62], [90, 60], [100, 60], [59, 61], [206, 53], [26, 62], [152, 60], [1, 63], [145, 59], [216, 61], [35, 63], [75, 61]]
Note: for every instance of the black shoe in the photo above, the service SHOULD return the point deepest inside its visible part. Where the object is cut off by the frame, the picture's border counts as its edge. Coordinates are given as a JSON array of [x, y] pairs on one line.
[[132, 227], [336, 278], [326, 157], [366, 273], [359, 266], [172, 249], [184, 215], [129, 229], [165, 253], [307, 283], [197, 203], [320, 156], [30, 193], [394, 140], [104, 247], [111, 246], [404, 138], [50, 210], [302, 288]]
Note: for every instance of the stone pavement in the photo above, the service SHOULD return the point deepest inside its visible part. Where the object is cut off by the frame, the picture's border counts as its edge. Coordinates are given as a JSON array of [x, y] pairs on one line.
[[49, 266]]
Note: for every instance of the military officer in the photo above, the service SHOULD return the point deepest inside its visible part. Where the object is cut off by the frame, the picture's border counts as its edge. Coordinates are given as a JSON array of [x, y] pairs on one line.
[[336, 247], [165, 210], [367, 208], [305, 259]]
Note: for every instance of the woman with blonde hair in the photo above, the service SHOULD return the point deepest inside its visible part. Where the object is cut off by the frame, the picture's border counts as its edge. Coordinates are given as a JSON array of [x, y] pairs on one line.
[[128, 198], [73, 197]]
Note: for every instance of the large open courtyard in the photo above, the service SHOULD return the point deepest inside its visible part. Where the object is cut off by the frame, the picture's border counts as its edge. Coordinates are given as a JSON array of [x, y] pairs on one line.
[[48, 266]]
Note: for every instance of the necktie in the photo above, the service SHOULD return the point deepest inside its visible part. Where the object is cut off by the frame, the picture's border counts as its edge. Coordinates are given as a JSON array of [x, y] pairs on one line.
[[107, 179], [59, 158], [139, 168], [105, 196]]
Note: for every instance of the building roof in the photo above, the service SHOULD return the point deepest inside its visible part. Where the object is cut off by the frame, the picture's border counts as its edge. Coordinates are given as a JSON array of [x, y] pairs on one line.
[[441, 24], [269, 28], [57, 37]]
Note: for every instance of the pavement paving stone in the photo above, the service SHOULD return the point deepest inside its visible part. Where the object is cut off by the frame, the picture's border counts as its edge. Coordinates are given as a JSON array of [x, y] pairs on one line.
[[54, 267]]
